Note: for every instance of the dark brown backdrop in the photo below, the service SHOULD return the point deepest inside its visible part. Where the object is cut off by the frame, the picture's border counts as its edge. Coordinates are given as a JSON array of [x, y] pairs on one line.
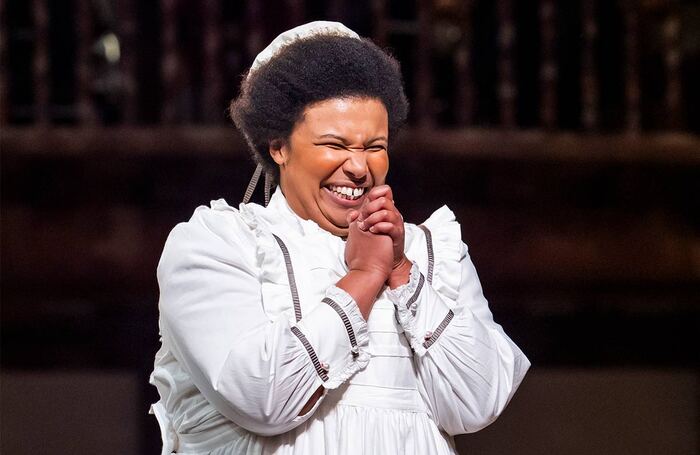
[[563, 134]]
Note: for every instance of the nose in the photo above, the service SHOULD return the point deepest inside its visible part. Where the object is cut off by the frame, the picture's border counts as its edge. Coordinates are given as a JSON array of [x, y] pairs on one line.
[[355, 166]]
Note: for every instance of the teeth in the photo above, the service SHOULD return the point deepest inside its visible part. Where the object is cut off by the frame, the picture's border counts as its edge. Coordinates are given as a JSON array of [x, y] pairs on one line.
[[347, 192]]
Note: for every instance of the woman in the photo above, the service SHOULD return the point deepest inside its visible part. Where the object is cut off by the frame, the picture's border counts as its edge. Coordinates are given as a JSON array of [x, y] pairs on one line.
[[322, 323]]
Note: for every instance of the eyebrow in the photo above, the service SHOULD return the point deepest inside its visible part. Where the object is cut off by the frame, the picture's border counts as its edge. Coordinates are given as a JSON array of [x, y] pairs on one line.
[[346, 142]]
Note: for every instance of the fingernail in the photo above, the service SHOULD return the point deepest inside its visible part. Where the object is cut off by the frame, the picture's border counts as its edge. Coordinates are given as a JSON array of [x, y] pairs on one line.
[[361, 225], [371, 229]]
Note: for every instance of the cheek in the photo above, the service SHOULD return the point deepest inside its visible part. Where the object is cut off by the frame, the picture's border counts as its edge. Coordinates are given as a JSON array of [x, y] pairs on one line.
[[326, 162], [379, 166], [314, 165]]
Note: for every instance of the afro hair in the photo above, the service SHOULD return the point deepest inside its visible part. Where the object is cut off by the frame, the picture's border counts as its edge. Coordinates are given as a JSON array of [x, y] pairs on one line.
[[274, 96]]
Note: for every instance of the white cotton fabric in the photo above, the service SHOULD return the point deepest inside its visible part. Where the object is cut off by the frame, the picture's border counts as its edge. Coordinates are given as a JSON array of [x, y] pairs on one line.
[[233, 376], [300, 32]]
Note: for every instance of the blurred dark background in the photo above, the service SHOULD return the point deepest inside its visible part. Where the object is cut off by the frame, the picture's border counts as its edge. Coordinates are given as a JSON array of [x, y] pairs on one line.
[[564, 134]]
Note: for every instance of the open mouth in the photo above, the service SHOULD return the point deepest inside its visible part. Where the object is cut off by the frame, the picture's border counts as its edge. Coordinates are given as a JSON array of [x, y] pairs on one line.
[[346, 192]]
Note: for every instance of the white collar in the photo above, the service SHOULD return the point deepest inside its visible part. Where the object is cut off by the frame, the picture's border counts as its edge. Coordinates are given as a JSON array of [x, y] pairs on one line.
[[279, 205]]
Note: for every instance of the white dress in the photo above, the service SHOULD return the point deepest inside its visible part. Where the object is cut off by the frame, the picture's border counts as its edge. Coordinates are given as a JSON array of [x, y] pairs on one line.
[[252, 324]]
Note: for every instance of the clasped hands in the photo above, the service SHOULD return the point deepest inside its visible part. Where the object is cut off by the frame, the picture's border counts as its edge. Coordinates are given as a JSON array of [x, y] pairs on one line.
[[375, 241]]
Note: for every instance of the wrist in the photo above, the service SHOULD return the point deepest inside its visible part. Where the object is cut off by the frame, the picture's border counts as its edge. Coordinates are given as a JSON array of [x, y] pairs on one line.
[[400, 274], [373, 278], [363, 286]]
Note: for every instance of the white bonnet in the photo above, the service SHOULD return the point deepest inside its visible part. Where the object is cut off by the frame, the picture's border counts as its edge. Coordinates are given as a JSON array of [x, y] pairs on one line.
[[286, 38], [301, 32]]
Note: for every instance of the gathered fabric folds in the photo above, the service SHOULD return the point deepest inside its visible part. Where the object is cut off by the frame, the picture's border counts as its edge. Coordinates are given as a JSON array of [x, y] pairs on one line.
[[252, 325]]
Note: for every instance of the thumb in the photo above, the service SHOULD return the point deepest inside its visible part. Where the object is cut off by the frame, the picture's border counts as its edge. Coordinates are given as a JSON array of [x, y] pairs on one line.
[[352, 216]]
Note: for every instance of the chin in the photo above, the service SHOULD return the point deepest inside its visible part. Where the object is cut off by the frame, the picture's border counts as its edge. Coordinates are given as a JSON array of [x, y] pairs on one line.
[[333, 217], [335, 226]]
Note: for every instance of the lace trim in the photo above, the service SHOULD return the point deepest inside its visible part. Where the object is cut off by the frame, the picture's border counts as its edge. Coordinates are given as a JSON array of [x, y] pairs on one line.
[[405, 291]]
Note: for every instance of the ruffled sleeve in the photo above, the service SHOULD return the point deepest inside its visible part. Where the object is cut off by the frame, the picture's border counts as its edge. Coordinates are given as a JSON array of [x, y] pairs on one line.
[[256, 367], [468, 367], [443, 235], [334, 362]]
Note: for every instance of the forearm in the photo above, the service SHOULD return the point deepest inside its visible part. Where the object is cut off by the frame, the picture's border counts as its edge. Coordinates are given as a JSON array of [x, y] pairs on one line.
[[312, 401], [364, 287]]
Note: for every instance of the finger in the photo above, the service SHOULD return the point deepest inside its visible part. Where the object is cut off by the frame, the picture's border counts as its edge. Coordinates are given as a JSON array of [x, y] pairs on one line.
[[383, 228], [352, 216], [379, 191], [375, 206], [380, 216]]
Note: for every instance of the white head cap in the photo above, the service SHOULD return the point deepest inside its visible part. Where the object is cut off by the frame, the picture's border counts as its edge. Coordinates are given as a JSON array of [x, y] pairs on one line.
[[301, 32], [285, 39]]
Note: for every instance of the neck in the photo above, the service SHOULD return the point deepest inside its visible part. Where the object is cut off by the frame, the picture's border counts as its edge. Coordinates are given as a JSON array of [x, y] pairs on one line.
[[297, 209]]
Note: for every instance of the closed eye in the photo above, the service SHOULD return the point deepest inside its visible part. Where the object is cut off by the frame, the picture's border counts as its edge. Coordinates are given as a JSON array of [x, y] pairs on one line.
[[333, 145], [338, 146]]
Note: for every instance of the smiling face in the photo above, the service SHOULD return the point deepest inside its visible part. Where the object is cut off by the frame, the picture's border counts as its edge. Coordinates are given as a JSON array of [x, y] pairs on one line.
[[335, 154]]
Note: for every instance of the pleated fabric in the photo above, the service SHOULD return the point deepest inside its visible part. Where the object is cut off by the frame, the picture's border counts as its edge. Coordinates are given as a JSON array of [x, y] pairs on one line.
[[248, 334]]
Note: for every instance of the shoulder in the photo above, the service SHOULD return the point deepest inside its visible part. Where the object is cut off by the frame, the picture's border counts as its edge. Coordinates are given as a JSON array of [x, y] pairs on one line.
[[217, 231], [440, 229], [436, 246]]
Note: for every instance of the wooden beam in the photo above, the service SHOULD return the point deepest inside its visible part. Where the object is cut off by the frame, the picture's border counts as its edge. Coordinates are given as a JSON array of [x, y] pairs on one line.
[[632, 74], [84, 80], [126, 11], [124, 141], [212, 96], [41, 62], [548, 68], [170, 62], [672, 63], [4, 72], [507, 88], [527, 145], [255, 30], [462, 144], [589, 68], [118, 247], [379, 23], [423, 77], [463, 62]]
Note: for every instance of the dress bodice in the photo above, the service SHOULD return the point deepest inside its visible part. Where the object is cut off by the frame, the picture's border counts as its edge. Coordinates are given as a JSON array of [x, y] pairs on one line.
[[252, 324]]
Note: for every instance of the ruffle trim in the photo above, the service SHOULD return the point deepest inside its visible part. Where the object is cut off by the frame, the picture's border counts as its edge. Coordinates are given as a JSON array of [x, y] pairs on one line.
[[273, 269], [269, 259], [406, 314], [359, 325], [402, 294], [221, 205], [447, 247]]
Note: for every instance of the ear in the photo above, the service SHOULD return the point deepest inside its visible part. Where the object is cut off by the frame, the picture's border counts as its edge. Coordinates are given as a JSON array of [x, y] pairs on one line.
[[279, 151]]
